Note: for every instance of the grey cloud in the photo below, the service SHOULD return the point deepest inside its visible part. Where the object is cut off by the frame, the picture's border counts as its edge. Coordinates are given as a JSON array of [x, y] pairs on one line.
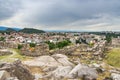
[[61, 12], [8, 8]]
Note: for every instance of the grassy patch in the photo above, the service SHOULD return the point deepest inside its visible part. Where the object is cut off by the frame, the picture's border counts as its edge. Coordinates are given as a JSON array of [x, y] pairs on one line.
[[113, 57], [16, 55], [19, 56], [2, 57]]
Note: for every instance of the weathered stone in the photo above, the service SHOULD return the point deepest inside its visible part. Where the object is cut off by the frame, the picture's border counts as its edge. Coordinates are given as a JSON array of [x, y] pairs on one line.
[[61, 72], [4, 75], [43, 61], [83, 71], [115, 76], [63, 59]]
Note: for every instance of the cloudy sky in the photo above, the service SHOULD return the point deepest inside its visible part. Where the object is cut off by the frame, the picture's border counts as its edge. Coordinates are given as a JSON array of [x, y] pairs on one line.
[[79, 15]]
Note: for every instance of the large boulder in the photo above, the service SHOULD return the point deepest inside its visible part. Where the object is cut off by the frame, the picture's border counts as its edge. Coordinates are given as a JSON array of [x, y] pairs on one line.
[[63, 59], [82, 71], [43, 61], [4, 75]]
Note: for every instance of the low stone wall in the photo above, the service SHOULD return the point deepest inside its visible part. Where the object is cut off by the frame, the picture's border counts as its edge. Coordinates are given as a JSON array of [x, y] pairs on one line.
[[69, 50], [2, 53]]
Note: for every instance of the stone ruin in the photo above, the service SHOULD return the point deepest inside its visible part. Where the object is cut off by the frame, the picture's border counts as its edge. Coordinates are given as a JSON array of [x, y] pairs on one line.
[[7, 45], [38, 50], [15, 71]]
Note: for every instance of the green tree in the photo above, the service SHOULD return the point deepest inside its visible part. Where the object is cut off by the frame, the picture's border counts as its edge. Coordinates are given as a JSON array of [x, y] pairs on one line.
[[108, 38]]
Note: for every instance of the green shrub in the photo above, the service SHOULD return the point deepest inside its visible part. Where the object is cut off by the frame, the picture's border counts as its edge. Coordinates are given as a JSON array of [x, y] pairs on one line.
[[51, 45], [32, 44], [58, 45], [20, 46]]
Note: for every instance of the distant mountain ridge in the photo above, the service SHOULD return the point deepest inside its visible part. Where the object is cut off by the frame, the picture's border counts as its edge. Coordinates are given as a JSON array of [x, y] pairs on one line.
[[24, 30]]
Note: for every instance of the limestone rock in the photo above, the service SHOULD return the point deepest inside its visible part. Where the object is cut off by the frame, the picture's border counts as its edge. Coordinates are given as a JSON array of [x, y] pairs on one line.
[[115, 76], [63, 59], [61, 71], [83, 71], [4, 74]]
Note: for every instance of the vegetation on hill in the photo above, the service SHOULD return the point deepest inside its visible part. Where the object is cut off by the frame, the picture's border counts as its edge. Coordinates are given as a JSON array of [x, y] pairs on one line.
[[2, 38], [113, 57], [31, 30], [25, 30]]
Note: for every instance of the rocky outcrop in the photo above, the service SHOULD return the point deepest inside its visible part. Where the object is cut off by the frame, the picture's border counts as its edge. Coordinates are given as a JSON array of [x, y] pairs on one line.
[[58, 67], [84, 72], [43, 61], [4, 75], [18, 70]]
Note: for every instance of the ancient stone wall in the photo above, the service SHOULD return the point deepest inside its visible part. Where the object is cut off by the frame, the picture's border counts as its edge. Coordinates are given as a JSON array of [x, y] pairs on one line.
[[8, 45], [5, 53]]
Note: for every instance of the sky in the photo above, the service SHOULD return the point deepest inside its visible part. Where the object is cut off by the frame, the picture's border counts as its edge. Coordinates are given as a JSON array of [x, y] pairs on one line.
[[73, 15]]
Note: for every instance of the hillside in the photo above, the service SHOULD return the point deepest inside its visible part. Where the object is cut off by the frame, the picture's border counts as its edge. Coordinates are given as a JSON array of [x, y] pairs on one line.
[[10, 30], [31, 30]]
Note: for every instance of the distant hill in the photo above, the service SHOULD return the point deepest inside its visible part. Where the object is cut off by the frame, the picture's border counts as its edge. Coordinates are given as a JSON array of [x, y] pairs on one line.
[[31, 30], [3, 28]]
